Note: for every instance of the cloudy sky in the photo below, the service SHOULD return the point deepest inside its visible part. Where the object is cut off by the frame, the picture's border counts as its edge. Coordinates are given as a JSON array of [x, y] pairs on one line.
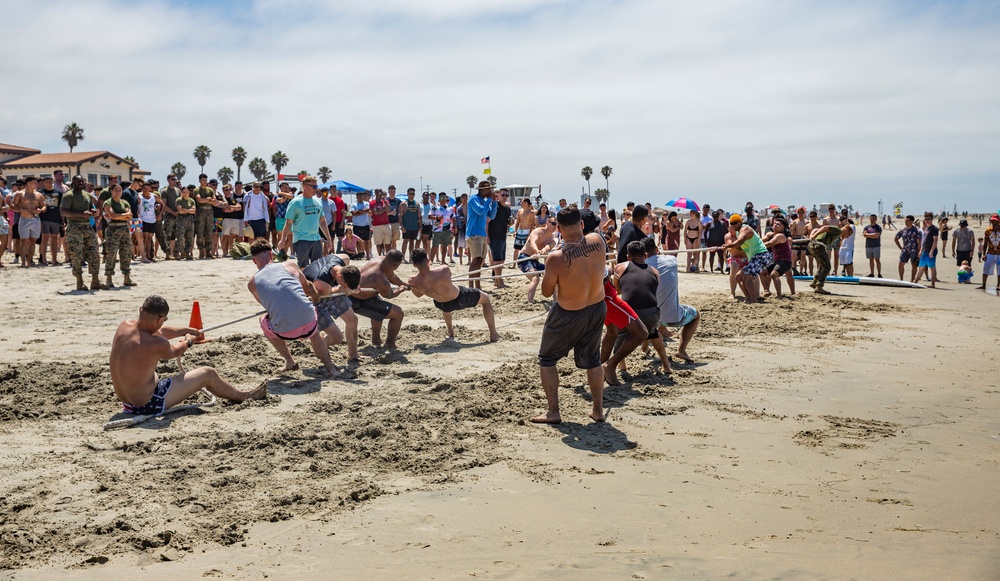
[[722, 101]]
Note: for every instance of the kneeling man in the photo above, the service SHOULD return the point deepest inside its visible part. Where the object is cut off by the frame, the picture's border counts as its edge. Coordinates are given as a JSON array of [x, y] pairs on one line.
[[436, 283], [333, 274], [139, 344], [281, 288]]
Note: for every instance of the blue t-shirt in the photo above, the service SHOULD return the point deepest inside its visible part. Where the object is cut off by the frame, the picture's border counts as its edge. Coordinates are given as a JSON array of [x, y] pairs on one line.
[[329, 209], [305, 214]]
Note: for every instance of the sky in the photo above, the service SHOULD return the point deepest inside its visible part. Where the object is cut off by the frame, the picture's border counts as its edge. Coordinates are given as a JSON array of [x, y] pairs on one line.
[[722, 102]]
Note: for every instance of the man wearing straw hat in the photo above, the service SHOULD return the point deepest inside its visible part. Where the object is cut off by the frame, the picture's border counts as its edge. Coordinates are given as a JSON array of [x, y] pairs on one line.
[[139, 344]]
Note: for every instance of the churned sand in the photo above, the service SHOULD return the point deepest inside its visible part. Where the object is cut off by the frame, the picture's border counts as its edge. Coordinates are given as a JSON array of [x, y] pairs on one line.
[[848, 436]]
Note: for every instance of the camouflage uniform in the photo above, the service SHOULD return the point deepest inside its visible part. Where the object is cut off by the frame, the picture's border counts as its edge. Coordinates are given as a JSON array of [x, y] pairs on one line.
[[82, 243], [184, 231], [80, 237], [204, 220], [117, 241], [169, 196]]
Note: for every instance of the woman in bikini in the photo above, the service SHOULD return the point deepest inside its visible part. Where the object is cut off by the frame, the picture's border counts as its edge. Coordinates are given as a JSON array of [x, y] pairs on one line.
[[692, 239]]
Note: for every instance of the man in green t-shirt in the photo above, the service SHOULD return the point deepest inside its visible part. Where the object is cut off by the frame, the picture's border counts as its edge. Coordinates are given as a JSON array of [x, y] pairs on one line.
[[78, 208]]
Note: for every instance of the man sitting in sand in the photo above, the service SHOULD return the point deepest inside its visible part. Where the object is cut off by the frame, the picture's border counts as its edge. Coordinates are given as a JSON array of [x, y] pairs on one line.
[[139, 344], [576, 320], [436, 283], [540, 242], [379, 274], [281, 288], [333, 274]]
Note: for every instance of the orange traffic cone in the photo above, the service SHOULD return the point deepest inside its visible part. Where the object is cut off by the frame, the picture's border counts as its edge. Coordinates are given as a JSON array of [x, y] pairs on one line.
[[196, 317]]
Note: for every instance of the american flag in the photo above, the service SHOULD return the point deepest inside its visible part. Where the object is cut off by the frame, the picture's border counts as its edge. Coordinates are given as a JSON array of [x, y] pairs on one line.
[[485, 159]]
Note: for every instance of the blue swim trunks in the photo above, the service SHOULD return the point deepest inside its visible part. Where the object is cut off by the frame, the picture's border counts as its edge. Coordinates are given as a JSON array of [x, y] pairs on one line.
[[529, 265], [155, 405], [926, 261]]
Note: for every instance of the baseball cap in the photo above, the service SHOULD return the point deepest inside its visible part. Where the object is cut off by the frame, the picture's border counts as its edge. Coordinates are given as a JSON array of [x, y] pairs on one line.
[[995, 218], [735, 219]]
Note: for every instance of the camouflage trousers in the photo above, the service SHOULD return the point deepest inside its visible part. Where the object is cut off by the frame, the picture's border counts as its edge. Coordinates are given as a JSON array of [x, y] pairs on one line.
[[117, 242], [161, 240], [184, 232], [169, 227], [203, 223], [82, 242], [822, 256]]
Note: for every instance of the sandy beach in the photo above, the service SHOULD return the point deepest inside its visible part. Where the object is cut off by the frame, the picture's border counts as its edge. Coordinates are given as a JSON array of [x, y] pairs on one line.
[[852, 436]]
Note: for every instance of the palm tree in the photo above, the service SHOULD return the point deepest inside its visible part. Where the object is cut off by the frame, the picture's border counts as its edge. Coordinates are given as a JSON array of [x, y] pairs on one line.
[[606, 172], [225, 175], [72, 134], [472, 181], [302, 173], [602, 195], [239, 156], [178, 170], [201, 154], [258, 167], [131, 160], [279, 160], [324, 174], [492, 180], [586, 172]]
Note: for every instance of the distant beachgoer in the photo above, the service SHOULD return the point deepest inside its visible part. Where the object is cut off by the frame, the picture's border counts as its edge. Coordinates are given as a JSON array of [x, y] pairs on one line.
[[965, 273], [991, 251], [963, 242], [846, 251], [928, 250], [140, 344], [909, 248], [873, 245]]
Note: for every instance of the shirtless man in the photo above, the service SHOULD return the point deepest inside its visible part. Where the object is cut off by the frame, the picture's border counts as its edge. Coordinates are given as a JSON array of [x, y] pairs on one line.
[[333, 274], [436, 283], [799, 230], [282, 288], [576, 320], [28, 206], [380, 274], [140, 344], [540, 242], [524, 222]]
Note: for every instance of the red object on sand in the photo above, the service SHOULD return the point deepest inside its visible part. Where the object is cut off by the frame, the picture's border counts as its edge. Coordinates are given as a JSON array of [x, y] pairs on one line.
[[196, 317]]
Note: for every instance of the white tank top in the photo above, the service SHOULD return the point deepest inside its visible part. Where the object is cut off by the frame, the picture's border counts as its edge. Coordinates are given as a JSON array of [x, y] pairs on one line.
[[147, 209], [848, 243]]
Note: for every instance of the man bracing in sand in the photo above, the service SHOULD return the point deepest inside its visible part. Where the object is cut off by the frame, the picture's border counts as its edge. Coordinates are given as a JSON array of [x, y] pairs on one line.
[[436, 283], [139, 344], [281, 288], [334, 274], [380, 274], [576, 320]]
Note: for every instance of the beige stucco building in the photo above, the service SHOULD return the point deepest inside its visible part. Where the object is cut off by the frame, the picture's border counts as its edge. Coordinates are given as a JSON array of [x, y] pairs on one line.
[[95, 166]]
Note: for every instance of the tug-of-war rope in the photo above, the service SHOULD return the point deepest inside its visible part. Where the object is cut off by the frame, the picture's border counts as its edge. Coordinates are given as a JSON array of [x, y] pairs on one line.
[[461, 277]]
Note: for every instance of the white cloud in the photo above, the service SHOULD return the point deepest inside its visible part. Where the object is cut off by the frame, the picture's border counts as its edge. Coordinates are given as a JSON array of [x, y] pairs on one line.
[[721, 101]]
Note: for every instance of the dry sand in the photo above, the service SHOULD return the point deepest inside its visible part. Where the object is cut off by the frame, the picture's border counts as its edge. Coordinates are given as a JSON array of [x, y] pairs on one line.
[[850, 436]]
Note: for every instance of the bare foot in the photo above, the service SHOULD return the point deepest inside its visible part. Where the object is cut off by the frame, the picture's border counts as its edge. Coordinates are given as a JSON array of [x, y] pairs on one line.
[[610, 377], [290, 366], [667, 370], [684, 356], [391, 346], [597, 416], [981, 287], [546, 419], [333, 372], [259, 392], [494, 337]]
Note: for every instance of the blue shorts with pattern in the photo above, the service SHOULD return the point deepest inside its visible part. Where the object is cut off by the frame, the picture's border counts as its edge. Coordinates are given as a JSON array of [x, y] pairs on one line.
[[329, 309], [155, 405]]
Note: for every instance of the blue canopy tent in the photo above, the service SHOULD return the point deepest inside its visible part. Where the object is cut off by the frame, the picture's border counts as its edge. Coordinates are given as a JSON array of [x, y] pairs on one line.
[[344, 186]]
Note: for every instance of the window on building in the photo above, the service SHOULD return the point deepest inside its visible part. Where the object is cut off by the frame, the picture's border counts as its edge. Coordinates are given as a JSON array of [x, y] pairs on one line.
[[104, 181], [92, 178]]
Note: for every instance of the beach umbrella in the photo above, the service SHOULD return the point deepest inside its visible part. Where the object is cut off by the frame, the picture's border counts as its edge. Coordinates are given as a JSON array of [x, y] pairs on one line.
[[344, 186], [684, 203]]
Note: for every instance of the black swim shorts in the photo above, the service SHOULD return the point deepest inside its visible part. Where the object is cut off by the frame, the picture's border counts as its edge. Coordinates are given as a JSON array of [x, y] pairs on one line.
[[466, 299], [373, 308], [782, 266], [577, 330]]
